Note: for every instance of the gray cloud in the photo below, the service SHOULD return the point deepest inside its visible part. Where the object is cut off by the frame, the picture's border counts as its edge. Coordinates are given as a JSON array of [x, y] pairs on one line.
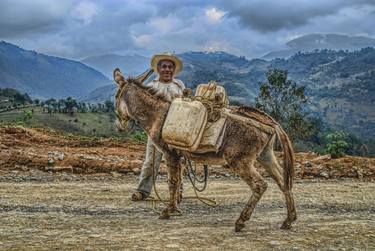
[[19, 17], [81, 28], [270, 15], [110, 30]]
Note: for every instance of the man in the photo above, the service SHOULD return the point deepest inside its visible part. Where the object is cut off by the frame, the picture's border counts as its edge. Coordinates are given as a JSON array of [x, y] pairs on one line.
[[167, 66]]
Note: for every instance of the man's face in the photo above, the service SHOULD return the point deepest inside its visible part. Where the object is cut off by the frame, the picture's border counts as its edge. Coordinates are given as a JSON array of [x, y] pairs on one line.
[[166, 71]]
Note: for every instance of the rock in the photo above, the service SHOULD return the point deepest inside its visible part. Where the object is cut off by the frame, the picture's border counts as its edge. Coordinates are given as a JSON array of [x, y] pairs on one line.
[[116, 174], [319, 167], [359, 173], [136, 171], [61, 156], [51, 162], [135, 164], [324, 175], [322, 158], [307, 164], [59, 168], [24, 168]]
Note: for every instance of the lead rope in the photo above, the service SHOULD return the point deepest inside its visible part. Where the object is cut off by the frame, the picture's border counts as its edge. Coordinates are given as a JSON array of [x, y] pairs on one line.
[[204, 200], [194, 179]]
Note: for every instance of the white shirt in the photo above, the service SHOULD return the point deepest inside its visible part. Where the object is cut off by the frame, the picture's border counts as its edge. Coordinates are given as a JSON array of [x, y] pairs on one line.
[[169, 91]]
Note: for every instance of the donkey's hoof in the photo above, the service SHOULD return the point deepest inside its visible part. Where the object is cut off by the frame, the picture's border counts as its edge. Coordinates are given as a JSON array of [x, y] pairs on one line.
[[240, 223], [286, 225], [164, 215], [175, 212], [239, 227]]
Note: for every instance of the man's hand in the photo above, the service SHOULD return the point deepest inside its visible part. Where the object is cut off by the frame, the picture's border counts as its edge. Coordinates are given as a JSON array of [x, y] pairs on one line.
[[186, 93]]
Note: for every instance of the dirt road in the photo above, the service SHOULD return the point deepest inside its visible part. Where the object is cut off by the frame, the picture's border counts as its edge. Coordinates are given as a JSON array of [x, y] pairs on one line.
[[43, 211]]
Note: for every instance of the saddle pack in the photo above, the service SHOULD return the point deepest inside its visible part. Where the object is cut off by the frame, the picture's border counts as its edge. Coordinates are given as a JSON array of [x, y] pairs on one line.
[[197, 124]]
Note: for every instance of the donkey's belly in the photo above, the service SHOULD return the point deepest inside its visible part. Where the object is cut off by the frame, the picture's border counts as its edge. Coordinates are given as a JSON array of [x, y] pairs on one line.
[[207, 158]]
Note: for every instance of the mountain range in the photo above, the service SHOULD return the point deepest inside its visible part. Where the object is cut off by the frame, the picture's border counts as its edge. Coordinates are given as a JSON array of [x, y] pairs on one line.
[[43, 76], [312, 42]]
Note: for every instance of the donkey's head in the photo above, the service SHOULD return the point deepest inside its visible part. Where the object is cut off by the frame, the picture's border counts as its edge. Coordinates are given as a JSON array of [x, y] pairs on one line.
[[122, 111]]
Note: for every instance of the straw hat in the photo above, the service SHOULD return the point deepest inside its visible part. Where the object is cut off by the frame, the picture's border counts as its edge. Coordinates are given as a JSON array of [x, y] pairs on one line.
[[167, 56]]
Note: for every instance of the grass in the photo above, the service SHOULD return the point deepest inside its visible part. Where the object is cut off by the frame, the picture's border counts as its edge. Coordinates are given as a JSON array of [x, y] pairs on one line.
[[84, 124]]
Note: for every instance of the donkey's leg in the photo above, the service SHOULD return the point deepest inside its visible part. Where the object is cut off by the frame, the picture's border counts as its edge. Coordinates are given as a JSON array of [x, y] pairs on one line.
[[272, 166], [258, 186], [174, 183], [180, 188]]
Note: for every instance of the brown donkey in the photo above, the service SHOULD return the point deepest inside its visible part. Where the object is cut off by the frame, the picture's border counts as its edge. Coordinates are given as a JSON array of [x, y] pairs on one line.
[[243, 144]]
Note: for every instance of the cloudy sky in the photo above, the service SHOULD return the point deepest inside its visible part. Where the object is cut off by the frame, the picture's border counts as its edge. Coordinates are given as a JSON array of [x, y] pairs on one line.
[[80, 28]]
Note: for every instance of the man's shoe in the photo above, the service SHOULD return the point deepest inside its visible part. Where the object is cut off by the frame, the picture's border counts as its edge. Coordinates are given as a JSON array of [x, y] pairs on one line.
[[138, 196]]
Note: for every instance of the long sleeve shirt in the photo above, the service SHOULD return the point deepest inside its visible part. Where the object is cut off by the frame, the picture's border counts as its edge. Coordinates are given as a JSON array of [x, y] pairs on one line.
[[169, 91]]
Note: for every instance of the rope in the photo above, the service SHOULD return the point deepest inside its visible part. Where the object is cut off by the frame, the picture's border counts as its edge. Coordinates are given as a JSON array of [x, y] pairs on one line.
[[194, 178], [204, 200], [213, 103]]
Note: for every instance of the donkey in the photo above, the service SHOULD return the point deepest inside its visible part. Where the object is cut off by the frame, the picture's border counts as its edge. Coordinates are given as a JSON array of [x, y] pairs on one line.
[[242, 145]]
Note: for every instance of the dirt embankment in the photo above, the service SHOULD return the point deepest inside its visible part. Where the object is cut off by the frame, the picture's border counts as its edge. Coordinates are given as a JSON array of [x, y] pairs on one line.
[[23, 148]]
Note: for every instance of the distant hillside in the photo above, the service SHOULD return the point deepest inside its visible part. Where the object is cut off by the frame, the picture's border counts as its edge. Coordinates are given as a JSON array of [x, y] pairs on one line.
[[101, 94], [130, 64], [312, 42], [341, 84], [238, 75], [45, 76]]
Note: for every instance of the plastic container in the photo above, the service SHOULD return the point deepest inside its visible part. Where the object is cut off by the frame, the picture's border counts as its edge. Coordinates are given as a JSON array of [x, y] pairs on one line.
[[184, 125], [210, 90]]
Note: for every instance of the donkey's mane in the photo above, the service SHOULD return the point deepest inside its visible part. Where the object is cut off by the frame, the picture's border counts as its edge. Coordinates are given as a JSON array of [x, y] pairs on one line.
[[148, 89]]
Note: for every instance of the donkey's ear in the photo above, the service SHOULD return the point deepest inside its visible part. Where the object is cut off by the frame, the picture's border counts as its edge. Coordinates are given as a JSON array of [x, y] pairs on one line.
[[117, 76], [144, 76]]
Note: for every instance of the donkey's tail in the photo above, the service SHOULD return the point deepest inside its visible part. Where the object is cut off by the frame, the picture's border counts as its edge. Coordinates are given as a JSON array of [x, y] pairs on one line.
[[288, 154], [288, 157]]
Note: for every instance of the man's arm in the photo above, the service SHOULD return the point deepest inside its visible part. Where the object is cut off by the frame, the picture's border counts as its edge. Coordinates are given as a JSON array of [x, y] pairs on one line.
[[179, 83]]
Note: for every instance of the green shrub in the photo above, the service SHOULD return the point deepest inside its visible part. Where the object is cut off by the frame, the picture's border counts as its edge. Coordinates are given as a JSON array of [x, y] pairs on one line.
[[27, 115], [336, 144], [139, 137]]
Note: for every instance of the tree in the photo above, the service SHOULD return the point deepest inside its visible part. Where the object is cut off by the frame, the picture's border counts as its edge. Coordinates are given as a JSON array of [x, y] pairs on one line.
[[336, 144], [61, 106], [285, 101], [70, 104], [109, 106], [51, 104]]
